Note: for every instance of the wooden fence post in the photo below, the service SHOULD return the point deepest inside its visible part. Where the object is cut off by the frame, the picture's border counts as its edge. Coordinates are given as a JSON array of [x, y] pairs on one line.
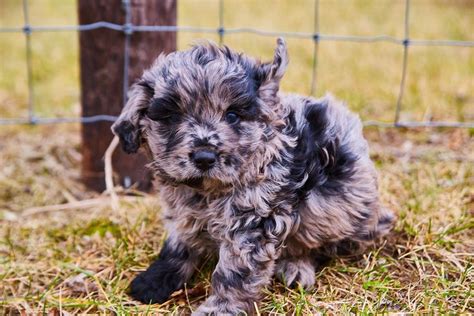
[[101, 66]]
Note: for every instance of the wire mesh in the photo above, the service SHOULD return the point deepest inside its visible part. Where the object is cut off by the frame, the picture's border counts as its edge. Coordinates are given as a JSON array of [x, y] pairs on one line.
[[126, 48], [128, 28], [406, 42]]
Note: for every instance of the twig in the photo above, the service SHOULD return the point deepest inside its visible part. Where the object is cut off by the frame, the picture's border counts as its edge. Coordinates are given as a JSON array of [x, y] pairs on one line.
[[65, 206], [256, 308], [70, 206], [109, 180], [187, 297]]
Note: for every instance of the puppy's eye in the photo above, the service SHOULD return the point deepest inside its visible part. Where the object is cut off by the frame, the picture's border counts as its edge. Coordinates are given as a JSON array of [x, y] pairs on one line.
[[232, 118]]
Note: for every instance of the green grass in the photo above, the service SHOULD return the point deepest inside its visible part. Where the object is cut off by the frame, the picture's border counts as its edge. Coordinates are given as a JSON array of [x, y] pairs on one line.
[[81, 260]]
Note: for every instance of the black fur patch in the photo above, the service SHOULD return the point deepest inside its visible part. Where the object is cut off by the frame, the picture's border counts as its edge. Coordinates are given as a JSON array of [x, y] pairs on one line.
[[201, 142], [162, 278], [173, 138], [231, 280], [343, 248], [165, 109], [231, 160], [327, 163], [129, 136], [147, 86]]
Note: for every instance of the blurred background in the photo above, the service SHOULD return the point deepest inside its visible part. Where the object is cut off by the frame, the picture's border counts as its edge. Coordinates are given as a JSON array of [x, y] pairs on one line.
[[439, 82], [63, 247]]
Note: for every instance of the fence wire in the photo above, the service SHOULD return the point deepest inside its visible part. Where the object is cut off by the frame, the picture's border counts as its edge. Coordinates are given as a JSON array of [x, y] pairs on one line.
[[129, 28]]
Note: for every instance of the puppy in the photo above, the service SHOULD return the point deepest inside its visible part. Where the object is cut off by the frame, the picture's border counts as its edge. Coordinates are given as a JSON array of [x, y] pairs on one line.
[[269, 182]]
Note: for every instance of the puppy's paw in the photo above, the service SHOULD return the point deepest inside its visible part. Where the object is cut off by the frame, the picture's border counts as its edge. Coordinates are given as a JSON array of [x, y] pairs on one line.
[[296, 271], [151, 288], [217, 307]]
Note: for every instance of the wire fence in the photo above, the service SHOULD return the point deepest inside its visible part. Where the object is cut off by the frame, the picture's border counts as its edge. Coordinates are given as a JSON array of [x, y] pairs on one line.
[[128, 29]]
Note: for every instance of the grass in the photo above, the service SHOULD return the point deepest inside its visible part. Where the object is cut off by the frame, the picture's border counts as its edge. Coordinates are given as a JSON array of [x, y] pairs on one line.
[[81, 260]]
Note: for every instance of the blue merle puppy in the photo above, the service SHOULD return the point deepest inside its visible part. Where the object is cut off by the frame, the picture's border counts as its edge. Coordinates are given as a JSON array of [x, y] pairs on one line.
[[268, 182]]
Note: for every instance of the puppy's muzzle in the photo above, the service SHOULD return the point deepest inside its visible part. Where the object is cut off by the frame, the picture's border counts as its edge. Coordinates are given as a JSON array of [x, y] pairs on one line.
[[204, 159]]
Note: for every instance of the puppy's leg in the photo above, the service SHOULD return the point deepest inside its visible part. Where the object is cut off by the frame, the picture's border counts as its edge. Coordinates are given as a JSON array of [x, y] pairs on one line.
[[174, 266], [296, 270], [296, 265], [245, 266]]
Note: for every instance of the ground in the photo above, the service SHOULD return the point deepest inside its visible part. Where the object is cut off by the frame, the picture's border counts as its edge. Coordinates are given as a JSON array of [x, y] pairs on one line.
[[80, 256]]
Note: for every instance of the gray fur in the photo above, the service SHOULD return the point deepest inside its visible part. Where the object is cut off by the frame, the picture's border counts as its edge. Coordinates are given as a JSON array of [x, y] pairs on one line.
[[263, 209]]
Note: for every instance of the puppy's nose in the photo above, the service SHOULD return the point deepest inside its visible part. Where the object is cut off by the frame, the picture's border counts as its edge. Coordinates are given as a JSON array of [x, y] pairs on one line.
[[204, 159]]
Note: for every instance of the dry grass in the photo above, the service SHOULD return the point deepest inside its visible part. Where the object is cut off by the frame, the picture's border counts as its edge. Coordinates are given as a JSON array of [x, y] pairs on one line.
[[80, 260]]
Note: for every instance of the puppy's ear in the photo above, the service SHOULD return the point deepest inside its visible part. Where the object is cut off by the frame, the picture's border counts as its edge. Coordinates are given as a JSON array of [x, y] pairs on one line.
[[280, 60], [127, 125], [272, 72]]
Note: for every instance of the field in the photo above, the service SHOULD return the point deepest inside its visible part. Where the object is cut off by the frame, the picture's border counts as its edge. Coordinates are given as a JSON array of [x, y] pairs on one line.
[[80, 257]]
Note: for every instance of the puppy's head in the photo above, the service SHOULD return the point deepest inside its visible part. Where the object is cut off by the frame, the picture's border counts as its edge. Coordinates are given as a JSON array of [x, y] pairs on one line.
[[203, 113]]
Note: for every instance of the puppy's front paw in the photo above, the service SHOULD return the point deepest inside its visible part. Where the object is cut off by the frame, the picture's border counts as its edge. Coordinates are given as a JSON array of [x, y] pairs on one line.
[[151, 288], [296, 271], [219, 307]]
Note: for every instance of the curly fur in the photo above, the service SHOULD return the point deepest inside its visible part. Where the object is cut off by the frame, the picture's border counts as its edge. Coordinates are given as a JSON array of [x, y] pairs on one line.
[[292, 182]]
